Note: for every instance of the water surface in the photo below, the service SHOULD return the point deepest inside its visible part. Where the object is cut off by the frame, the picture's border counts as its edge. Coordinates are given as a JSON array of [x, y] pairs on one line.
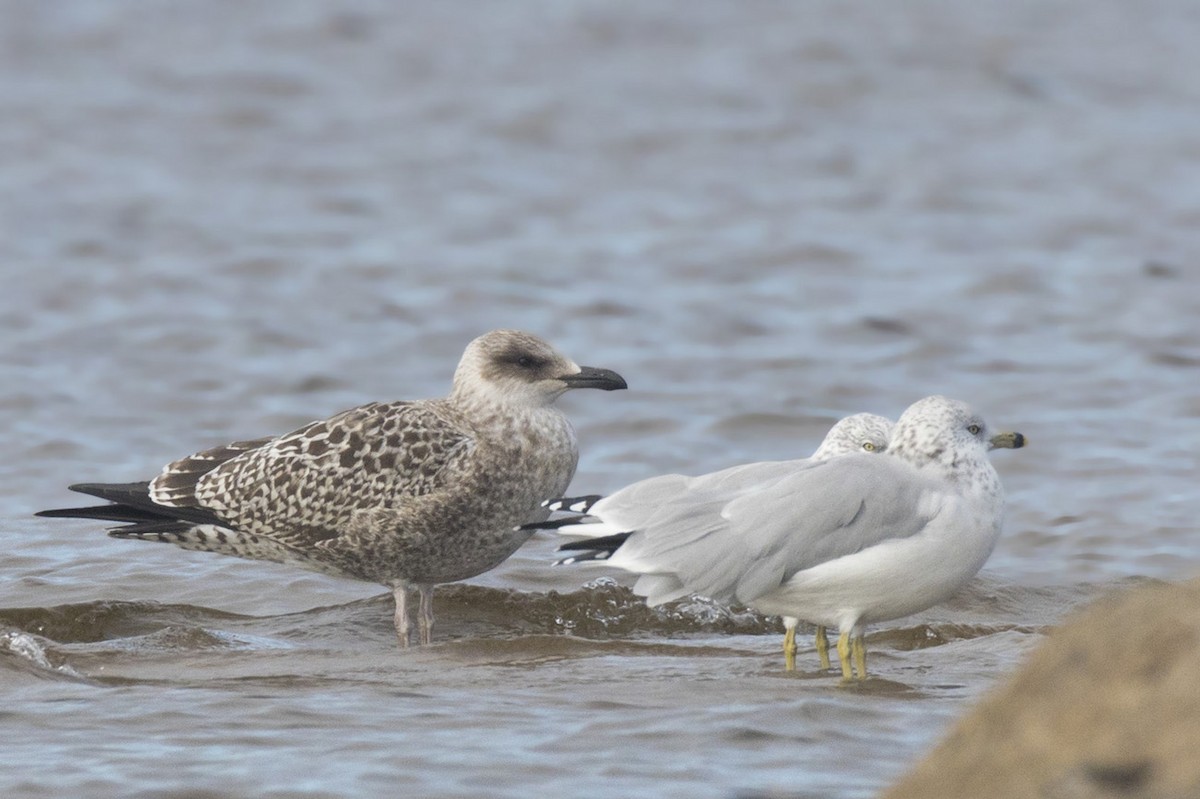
[[223, 220]]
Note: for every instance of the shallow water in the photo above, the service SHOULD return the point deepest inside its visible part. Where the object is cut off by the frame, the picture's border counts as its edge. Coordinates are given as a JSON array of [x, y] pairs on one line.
[[223, 220]]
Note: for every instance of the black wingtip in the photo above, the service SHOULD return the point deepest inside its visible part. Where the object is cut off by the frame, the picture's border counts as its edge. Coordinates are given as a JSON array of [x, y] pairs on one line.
[[607, 543], [114, 492], [581, 504], [555, 524], [131, 504], [584, 557], [57, 513], [107, 513]]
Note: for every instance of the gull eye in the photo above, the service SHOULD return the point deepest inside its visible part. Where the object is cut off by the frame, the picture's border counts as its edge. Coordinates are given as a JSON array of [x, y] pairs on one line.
[[528, 361], [973, 429], [868, 446]]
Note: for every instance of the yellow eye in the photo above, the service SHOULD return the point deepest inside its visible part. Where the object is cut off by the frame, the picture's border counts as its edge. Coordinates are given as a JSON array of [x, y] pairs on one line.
[[868, 446], [973, 429]]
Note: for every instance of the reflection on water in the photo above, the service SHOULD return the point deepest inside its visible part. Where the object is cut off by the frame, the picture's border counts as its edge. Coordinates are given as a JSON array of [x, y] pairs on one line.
[[224, 220]]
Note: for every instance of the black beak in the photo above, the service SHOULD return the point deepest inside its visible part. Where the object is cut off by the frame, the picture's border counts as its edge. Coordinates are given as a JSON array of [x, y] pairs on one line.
[[591, 377]]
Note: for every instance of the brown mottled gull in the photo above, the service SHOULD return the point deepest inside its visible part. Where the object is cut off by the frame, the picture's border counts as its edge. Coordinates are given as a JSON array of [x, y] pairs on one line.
[[407, 494]]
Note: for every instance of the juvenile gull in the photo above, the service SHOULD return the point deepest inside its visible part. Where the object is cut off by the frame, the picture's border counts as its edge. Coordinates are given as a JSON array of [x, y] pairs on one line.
[[673, 500], [407, 494], [842, 542]]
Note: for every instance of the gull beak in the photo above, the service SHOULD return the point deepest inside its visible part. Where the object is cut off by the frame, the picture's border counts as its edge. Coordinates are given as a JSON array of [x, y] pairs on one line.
[[1006, 441], [591, 377]]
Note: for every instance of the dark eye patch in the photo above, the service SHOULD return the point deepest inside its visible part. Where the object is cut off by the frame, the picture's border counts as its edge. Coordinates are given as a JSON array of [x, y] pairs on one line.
[[524, 360]]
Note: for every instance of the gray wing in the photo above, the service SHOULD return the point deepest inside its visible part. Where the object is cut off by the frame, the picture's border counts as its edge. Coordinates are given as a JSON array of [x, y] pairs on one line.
[[658, 499], [305, 486], [747, 476], [761, 538], [634, 505]]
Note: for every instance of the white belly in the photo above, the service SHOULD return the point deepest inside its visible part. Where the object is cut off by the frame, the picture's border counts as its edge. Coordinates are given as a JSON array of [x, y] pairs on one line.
[[890, 580]]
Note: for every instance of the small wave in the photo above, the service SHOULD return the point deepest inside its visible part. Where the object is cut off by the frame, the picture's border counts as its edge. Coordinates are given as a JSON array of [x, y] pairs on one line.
[[925, 636], [89, 622], [192, 638], [30, 651], [602, 609]]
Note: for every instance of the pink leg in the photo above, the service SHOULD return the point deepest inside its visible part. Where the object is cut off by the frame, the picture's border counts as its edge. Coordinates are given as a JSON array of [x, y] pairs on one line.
[[402, 623], [425, 614]]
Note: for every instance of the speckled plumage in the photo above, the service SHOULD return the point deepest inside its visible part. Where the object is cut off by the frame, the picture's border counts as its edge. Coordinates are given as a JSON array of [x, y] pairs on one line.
[[862, 432], [407, 494]]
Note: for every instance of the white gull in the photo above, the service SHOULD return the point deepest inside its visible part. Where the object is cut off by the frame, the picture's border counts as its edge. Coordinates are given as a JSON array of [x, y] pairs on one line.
[[842, 542]]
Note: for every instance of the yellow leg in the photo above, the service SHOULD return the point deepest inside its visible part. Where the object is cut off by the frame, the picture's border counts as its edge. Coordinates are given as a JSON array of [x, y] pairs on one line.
[[843, 650], [789, 649], [859, 649], [822, 642]]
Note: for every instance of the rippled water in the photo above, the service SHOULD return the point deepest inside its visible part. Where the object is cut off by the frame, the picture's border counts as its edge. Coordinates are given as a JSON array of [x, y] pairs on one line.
[[222, 220]]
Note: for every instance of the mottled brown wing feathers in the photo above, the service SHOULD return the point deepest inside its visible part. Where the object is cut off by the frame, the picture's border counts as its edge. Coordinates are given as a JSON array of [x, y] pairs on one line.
[[305, 486], [176, 485]]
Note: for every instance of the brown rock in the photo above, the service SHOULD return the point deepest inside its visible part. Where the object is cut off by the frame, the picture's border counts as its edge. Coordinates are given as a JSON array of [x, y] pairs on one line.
[[1108, 706]]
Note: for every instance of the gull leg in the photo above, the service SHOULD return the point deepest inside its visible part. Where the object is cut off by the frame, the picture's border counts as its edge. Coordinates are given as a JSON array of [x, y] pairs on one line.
[[843, 650], [425, 613], [859, 649], [822, 642], [789, 644], [400, 592]]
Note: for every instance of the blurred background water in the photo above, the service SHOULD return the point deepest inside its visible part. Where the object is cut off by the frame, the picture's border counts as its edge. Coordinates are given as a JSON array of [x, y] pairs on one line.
[[221, 220]]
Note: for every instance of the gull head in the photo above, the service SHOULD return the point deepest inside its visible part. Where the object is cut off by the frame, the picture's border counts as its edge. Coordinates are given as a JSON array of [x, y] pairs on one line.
[[515, 368], [948, 431], [862, 432]]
